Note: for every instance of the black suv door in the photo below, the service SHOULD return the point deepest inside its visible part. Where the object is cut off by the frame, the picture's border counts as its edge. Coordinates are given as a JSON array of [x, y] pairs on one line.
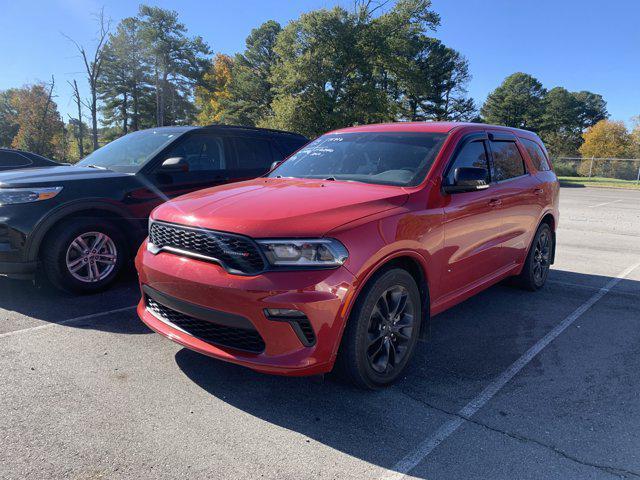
[[205, 162], [205, 159]]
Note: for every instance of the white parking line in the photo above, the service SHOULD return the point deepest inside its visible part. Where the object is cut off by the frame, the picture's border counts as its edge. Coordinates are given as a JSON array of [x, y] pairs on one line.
[[424, 448], [67, 322], [605, 203]]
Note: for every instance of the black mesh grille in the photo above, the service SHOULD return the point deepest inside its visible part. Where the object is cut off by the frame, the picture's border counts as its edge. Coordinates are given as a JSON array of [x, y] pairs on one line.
[[237, 338], [237, 254]]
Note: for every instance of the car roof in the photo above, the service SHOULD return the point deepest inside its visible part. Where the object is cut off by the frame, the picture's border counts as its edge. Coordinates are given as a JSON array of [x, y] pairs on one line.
[[15, 150], [176, 129], [240, 128], [432, 127], [218, 127], [25, 153]]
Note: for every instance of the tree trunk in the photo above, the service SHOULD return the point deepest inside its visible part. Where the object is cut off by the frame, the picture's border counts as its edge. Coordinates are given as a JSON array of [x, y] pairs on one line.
[[163, 99], [134, 119], [125, 118], [80, 133], [94, 115], [159, 119]]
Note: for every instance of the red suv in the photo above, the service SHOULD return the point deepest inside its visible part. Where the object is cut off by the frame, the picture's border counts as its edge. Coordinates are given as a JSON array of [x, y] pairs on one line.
[[340, 255]]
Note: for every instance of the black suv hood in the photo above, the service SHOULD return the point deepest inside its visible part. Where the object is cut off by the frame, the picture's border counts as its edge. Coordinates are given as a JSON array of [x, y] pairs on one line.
[[38, 177]]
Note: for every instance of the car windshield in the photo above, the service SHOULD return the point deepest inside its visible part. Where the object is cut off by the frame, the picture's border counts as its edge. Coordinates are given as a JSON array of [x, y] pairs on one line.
[[129, 153], [387, 158]]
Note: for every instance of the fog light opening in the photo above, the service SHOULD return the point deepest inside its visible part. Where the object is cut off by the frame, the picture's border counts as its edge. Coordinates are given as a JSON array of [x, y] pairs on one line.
[[283, 313], [298, 321]]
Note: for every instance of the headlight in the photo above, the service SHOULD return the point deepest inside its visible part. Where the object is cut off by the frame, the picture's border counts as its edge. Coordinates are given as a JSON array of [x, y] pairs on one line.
[[11, 196], [322, 252]]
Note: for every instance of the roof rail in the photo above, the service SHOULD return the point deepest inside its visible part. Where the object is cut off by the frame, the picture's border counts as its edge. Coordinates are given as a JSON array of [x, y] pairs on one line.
[[245, 127]]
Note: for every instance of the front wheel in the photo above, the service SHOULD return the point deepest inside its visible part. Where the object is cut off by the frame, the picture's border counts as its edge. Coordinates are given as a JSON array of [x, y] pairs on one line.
[[382, 331], [536, 268], [84, 256]]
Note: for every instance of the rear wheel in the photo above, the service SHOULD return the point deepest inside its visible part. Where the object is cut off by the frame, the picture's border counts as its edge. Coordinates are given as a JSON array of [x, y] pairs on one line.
[[382, 331], [536, 268], [84, 256]]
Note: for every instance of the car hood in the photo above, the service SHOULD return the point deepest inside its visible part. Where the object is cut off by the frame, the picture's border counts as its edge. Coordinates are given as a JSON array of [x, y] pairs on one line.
[[271, 207], [37, 177]]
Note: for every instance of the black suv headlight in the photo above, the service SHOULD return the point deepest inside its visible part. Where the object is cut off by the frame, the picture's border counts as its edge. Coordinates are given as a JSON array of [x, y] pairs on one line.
[[12, 196], [315, 252]]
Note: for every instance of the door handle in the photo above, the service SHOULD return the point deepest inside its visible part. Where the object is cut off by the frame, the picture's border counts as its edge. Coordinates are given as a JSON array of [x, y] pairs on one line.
[[495, 202], [538, 191]]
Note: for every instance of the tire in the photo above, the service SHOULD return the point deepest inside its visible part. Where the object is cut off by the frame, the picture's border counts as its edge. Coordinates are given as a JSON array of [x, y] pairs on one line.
[[536, 267], [361, 358], [94, 271]]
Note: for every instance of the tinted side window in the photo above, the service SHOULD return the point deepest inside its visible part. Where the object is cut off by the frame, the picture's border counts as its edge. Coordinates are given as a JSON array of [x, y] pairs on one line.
[[507, 161], [538, 157], [254, 153], [473, 154], [201, 152], [12, 159], [290, 145]]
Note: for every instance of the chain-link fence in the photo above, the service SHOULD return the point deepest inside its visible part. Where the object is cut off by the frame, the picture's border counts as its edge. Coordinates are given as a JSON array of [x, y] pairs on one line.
[[611, 168]]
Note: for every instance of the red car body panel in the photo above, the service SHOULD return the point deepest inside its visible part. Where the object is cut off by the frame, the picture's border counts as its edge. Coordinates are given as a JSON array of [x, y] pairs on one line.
[[463, 243]]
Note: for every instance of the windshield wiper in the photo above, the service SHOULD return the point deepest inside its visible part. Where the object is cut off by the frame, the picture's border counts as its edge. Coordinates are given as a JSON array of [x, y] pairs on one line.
[[330, 179], [96, 166]]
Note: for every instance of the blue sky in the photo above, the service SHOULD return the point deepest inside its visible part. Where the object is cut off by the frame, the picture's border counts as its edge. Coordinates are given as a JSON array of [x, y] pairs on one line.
[[577, 44]]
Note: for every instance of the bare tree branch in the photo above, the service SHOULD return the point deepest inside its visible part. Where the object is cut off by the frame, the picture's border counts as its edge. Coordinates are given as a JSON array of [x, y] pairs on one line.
[[93, 67], [80, 129]]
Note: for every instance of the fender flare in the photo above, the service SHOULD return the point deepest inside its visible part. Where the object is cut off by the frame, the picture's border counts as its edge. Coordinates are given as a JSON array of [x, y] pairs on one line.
[[370, 272], [553, 231], [61, 212]]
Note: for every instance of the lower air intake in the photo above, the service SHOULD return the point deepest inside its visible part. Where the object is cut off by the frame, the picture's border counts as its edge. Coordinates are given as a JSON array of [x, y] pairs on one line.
[[236, 338]]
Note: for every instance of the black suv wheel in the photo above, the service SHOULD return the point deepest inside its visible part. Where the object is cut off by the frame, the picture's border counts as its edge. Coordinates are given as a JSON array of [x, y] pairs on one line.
[[84, 255], [382, 331]]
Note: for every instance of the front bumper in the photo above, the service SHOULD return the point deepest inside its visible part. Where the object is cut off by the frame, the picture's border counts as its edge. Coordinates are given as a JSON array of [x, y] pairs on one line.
[[14, 225], [206, 290]]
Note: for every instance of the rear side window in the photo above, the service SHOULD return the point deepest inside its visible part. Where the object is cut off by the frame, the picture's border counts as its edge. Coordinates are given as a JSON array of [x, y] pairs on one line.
[[13, 159], [254, 153], [473, 154], [507, 161], [538, 157]]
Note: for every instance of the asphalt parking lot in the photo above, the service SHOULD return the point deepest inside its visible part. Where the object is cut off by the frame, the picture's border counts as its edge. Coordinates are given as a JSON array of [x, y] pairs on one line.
[[510, 384]]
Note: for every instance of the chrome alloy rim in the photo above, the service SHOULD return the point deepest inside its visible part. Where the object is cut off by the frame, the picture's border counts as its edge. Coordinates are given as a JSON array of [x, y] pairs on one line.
[[91, 257], [390, 330]]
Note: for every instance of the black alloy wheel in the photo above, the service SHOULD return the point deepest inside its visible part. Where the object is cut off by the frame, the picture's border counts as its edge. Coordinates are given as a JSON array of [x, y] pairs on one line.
[[390, 330], [538, 262], [382, 330]]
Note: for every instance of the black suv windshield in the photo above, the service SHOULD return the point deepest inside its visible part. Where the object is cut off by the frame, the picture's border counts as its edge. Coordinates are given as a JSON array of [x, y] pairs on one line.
[[129, 153], [387, 158]]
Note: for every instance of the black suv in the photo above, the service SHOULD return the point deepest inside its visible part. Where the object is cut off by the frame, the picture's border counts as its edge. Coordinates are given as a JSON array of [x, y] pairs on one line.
[[11, 159], [82, 223]]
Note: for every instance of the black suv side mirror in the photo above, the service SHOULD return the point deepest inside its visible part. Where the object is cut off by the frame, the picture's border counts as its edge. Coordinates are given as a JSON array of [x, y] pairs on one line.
[[174, 164], [275, 164], [467, 179]]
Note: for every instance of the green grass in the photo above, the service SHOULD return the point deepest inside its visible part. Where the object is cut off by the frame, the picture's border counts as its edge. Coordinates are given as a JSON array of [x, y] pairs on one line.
[[599, 182]]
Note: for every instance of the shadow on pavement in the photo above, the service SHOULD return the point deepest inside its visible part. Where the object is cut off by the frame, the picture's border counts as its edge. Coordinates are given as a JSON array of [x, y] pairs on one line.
[[46, 303], [467, 347]]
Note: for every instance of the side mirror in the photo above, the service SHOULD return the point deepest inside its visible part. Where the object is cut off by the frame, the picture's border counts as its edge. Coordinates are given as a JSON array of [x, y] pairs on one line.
[[174, 164], [468, 179], [275, 164]]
